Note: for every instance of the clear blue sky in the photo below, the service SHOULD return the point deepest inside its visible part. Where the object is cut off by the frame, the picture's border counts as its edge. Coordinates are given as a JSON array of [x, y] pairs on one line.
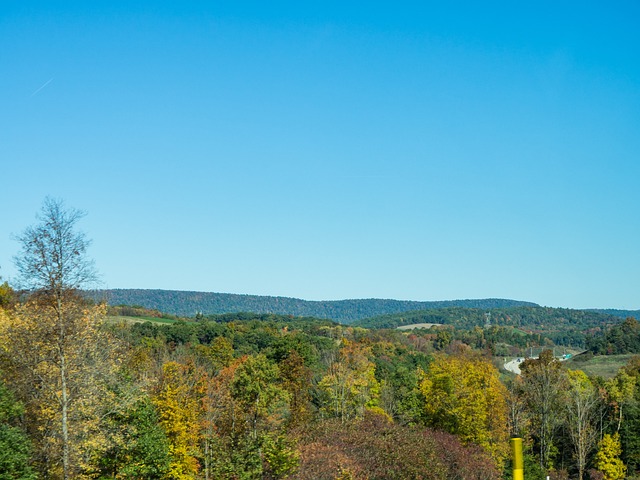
[[331, 150]]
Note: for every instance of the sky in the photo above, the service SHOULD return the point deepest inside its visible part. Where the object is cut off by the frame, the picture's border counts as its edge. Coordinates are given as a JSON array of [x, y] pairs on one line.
[[332, 150]]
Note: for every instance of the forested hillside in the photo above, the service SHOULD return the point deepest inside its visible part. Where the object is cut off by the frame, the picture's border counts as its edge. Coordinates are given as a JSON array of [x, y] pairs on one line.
[[345, 311], [561, 325], [530, 317], [618, 339], [619, 313]]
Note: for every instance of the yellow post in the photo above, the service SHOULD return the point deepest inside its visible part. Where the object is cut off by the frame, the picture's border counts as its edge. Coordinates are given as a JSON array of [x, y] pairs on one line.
[[518, 465]]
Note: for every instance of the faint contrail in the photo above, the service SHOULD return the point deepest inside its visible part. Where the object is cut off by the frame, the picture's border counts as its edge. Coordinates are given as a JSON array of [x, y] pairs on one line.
[[46, 83]]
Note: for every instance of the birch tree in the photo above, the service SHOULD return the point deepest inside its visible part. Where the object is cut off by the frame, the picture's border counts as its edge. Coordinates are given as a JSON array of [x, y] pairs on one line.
[[55, 353], [581, 409], [350, 385], [53, 258], [543, 383]]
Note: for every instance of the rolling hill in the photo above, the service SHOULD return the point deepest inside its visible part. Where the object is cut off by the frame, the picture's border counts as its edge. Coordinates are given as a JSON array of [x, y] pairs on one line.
[[188, 304]]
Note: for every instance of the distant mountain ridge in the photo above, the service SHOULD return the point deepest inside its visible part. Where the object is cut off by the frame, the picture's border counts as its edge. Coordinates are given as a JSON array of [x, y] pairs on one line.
[[616, 312], [186, 303]]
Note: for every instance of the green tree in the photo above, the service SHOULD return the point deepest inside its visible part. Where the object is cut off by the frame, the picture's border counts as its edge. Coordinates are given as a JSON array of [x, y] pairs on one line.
[[140, 449], [221, 352], [244, 411], [280, 457], [630, 435], [630, 427], [255, 387], [397, 368], [15, 448], [7, 295], [443, 338]]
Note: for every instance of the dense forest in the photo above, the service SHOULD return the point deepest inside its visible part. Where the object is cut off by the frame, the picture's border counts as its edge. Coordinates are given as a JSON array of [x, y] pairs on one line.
[[344, 311], [562, 326], [532, 318], [126, 392], [269, 396], [622, 338], [618, 313]]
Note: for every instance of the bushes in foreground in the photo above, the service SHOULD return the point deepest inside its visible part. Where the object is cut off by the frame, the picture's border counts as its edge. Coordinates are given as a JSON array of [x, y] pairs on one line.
[[376, 448]]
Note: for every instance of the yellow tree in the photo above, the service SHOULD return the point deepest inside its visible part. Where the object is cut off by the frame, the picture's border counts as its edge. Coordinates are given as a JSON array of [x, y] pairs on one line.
[[350, 384], [61, 368], [608, 458], [179, 404], [53, 265], [464, 396], [53, 344], [620, 390], [581, 407]]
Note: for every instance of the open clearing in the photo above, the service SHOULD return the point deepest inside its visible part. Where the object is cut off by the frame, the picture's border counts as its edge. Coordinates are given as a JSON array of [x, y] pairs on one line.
[[418, 325], [605, 366], [123, 318]]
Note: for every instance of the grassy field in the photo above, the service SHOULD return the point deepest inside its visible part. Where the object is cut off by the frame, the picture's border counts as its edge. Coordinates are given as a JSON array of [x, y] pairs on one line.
[[418, 325], [123, 318], [605, 366]]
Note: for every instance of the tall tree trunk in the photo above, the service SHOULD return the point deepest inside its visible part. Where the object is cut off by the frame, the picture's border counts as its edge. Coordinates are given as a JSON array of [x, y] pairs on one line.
[[64, 393], [619, 417], [206, 459], [65, 417]]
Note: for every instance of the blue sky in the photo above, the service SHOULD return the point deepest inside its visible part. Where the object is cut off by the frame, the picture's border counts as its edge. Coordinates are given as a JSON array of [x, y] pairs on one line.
[[422, 151]]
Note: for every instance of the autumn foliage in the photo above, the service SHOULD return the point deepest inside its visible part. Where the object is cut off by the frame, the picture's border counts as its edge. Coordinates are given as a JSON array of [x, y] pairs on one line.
[[243, 396], [377, 448], [464, 396]]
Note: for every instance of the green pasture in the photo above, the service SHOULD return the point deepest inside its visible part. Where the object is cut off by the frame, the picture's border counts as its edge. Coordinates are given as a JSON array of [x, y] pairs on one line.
[[605, 366], [118, 318]]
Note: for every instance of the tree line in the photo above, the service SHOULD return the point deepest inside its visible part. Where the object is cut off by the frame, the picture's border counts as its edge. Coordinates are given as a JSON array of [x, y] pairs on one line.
[[562, 325], [188, 304], [618, 339]]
